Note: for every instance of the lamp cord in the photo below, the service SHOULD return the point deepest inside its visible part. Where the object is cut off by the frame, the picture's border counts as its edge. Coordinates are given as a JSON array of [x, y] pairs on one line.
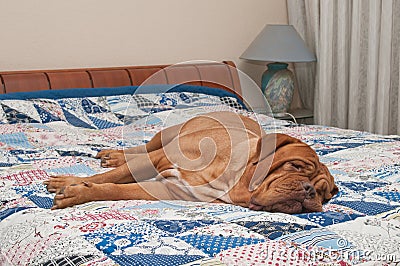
[[280, 115], [292, 116]]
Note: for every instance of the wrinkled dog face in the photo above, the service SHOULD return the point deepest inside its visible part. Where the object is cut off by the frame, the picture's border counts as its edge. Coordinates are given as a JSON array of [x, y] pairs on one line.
[[292, 192]]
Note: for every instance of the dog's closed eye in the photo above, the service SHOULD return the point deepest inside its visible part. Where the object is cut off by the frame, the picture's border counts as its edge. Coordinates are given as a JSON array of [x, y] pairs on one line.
[[294, 166]]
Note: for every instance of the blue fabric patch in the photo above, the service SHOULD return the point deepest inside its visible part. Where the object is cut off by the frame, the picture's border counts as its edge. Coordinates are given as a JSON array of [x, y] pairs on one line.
[[45, 116], [165, 100], [108, 243], [343, 143], [18, 140], [175, 227], [273, 230], [322, 152], [386, 171], [212, 245], [368, 208], [6, 164], [76, 169], [127, 120], [30, 189], [13, 116], [75, 121], [102, 124], [42, 126], [35, 193], [4, 214], [118, 237], [17, 152], [156, 108], [153, 120], [362, 186], [328, 218], [150, 259], [91, 108], [391, 195], [184, 97], [73, 153], [321, 238], [41, 202]]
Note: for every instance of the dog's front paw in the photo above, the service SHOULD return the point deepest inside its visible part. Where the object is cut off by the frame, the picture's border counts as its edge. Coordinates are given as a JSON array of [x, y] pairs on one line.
[[56, 183], [112, 159], [103, 153], [73, 194]]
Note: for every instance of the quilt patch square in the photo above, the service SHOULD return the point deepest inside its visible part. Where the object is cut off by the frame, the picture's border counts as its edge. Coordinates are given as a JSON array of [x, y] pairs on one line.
[[328, 218], [16, 140], [27, 177], [175, 227], [212, 245], [273, 230], [118, 238], [320, 238], [154, 259], [368, 208]]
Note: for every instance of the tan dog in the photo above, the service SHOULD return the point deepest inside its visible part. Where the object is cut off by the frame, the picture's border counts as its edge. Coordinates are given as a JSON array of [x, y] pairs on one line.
[[215, 157]]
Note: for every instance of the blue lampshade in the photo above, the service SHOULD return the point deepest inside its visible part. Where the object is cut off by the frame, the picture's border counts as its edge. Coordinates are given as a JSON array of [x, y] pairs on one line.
[[279, 44]]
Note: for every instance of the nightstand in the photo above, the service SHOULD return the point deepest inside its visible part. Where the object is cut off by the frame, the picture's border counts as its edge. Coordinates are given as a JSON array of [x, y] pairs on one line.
[[301, 116]]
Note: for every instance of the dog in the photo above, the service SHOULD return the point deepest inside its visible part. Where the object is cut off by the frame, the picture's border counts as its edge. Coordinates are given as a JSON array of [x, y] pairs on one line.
[[214, 157]]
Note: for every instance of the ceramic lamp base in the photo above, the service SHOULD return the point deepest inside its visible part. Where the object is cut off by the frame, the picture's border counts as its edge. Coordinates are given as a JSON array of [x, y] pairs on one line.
[[277, 85]]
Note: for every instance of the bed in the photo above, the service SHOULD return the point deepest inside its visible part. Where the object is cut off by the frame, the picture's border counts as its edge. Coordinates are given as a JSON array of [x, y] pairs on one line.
[[55, 121]]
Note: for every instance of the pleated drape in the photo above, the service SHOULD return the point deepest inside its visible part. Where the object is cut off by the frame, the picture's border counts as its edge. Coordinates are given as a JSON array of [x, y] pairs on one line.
[[355, 82]]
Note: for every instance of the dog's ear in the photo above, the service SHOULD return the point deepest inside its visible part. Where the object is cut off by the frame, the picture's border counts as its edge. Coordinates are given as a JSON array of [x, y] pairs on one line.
[[262, 160], [331, 189], [334, 191], [267, 146], [329, 194]]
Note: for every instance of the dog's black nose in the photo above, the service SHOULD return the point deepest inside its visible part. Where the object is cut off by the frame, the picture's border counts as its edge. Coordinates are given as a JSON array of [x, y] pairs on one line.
[[310, 190]]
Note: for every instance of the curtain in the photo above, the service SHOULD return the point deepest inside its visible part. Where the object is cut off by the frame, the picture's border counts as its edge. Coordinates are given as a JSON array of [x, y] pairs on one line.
[[355, 82]]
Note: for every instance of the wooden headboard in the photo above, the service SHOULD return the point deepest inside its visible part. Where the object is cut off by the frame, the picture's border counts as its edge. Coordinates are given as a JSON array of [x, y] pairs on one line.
[[216, 75]]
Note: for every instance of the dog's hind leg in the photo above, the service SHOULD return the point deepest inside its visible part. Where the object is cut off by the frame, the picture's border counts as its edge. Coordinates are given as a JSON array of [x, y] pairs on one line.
[[138, 169], [115, 158], [159, 140]]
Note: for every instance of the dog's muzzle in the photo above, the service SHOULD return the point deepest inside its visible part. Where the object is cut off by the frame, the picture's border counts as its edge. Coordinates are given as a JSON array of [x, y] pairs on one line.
[[299, 200]]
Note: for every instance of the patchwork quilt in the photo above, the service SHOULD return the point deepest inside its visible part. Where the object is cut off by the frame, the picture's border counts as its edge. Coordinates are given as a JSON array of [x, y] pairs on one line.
[[41, 137]]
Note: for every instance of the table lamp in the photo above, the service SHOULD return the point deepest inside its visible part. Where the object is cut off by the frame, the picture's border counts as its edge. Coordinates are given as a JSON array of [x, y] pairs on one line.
[[279, 44]]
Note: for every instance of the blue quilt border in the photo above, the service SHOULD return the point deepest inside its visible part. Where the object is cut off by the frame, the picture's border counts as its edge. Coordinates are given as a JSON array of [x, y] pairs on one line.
[[112, 91]]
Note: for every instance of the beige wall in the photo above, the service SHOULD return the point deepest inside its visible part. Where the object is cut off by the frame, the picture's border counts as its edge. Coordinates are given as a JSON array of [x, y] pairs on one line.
[[81, 33], [50, 34]]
